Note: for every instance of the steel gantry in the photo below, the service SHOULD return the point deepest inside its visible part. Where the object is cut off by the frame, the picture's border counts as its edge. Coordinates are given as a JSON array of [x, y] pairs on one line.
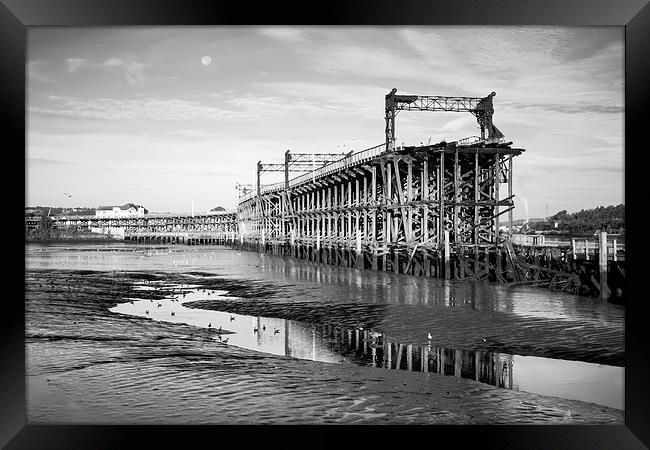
[[482, 108]]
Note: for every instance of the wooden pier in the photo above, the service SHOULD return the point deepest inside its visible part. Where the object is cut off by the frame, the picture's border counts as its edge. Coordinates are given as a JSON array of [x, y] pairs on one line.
[[186, 238], [430, 210]]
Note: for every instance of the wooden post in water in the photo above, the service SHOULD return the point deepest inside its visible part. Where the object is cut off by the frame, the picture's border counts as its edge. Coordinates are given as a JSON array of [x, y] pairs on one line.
[[458, 363], [615, 250], [602, 265], [359, 260], [586, 249], [573, 246], [400, 350], [446, 254], [389, 356]]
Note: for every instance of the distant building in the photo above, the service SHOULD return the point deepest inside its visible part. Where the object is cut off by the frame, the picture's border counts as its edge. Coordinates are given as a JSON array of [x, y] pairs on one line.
[[128, 210]]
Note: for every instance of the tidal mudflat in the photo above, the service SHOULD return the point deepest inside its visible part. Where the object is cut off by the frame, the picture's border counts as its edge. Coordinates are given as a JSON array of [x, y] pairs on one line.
[[162, 335]]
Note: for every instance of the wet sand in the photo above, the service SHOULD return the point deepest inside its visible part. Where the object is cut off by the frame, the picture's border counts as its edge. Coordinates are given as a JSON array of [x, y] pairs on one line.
[[88, 365]]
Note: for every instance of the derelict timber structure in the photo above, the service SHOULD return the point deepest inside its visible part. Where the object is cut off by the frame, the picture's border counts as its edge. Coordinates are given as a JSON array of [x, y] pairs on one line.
[[432, 210]]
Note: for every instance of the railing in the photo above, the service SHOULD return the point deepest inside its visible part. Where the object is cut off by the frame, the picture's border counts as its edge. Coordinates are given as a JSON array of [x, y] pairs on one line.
[[342, 164], [471, 140], [584, 248], [336, 166], [191, 234], [144, 217]]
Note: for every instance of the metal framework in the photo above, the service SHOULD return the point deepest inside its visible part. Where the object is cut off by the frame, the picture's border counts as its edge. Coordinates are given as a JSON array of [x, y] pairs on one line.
[[297, 162], [482, 108]]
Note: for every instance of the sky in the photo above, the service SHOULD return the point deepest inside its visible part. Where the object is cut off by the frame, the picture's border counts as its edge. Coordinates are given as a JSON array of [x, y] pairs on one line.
[[174, 117]]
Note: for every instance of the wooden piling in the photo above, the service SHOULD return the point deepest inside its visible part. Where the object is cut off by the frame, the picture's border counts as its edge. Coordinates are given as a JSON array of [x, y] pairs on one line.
[[602, 265], [447, 271]]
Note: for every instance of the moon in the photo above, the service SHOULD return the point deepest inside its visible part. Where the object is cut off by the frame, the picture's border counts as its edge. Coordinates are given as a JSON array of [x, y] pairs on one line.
[[206, 60]]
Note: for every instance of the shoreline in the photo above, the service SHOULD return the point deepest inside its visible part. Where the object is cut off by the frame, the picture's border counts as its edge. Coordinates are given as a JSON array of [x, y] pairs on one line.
[[67, 312], [88, 239]]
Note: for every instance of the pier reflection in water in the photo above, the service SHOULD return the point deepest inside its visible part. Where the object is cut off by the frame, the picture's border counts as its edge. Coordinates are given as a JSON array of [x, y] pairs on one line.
[[576, 380], [335, 344], [375, 349]]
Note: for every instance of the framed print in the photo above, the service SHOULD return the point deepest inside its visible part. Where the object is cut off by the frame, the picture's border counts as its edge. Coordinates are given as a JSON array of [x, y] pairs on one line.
[[364, 216]]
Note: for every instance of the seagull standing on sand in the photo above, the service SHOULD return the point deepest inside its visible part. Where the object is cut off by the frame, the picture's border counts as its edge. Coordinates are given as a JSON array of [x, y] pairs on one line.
[[225, 341]]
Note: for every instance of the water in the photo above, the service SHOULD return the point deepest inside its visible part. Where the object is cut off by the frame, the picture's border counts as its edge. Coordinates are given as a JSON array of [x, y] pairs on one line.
[[567, 347], [577, 380]]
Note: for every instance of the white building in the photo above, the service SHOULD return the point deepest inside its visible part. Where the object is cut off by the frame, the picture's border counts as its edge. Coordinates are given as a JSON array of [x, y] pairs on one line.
[[128, 210]]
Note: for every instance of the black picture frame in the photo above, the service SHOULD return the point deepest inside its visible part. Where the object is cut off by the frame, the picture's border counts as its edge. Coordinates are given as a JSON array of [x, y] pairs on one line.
[[16, 16]]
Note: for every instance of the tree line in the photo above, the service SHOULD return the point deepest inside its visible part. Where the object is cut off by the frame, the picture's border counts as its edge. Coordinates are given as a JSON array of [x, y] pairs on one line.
[[610, 218]]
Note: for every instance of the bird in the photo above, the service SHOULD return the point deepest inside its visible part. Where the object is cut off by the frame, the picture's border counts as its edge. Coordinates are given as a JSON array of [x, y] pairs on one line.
[[210, 325], [146, 312], [219, 327], [255, 330], [276, 331], [69, 195], [219, 336], [429, 336], [132, 302], [232, 318], [225, 341], [173, 313], [159, 305], [263, 327]]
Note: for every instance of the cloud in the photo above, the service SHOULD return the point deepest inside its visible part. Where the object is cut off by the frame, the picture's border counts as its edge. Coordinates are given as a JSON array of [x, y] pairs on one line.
[[73, 64], [133, 109], [47, 162], [567, 108], [327, 98], [133, 71], [33, 74], [294, 35]]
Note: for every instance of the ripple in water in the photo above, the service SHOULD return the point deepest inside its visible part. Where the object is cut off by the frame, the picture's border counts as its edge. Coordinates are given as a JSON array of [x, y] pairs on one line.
[[575, 380]]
